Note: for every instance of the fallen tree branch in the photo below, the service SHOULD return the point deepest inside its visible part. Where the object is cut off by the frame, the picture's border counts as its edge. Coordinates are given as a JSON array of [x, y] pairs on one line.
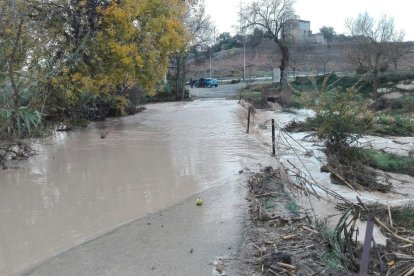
[[288, 266]]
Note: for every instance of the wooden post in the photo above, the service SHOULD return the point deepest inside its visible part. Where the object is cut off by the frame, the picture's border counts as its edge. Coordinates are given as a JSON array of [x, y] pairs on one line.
[[363, 270], [273, 137], [248, 121]]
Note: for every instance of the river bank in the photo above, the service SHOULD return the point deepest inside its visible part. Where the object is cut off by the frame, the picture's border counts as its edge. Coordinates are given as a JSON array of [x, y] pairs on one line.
[[310, 193]]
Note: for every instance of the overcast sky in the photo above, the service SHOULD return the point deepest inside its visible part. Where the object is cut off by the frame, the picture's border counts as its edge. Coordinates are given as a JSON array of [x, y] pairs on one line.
[[324, 12]]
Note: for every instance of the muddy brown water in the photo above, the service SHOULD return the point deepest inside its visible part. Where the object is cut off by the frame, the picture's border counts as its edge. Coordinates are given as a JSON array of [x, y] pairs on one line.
[[80, 186]]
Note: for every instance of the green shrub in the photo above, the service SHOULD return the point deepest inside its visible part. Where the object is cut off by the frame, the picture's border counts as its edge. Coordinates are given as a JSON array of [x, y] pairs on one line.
[[342, 119], [404, 216], [361, 70], [255, 98], [395, 77], [364, 85], [28, 120], [386, 161], [166, 88], [293, 207], [393, 124], [407, 103]]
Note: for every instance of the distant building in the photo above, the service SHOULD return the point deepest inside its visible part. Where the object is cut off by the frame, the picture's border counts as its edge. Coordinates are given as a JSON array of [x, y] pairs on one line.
[[300, 32]]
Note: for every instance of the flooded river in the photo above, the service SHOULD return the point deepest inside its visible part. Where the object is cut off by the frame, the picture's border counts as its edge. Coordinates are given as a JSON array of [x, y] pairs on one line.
[[80, 186]]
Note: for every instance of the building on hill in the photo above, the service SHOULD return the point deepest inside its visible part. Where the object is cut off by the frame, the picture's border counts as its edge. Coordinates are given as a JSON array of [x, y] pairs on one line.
[[300, 33]]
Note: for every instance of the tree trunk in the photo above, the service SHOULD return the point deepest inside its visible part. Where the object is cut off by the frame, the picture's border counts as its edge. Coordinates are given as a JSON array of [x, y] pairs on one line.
[[16, 92], [183, 72], [284, 63], [375, 76], [375, 85], [177, 76], [180, 76]]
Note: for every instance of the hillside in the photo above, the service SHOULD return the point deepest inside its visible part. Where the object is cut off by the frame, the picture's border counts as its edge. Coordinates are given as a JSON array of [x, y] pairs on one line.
[[304, 59]]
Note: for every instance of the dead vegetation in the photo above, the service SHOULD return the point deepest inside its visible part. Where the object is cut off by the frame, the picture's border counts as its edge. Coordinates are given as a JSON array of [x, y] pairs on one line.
[[280, 237], [13, 149], [283, 239], [397, 256], [347, 169], [297, 126]]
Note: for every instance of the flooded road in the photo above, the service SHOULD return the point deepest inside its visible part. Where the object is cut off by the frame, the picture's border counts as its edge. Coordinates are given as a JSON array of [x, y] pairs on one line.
[[80, 186]]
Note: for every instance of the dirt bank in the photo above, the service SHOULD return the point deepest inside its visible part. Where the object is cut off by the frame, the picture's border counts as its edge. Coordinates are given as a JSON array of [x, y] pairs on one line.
[[279, 237], [282, 238], [285, 221]]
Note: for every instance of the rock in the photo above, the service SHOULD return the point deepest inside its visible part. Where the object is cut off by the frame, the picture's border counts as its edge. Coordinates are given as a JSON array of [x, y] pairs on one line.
[[383, 90], [405, 87], [393, 95], [268, 169], [274, 106]]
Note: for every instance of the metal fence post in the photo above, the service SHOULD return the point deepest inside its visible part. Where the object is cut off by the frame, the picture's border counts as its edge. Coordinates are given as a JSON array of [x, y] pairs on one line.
[[248, 121], [273, 137]]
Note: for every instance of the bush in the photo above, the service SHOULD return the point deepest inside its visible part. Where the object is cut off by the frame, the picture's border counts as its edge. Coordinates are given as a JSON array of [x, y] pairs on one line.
[[361, 70], [395, 77], [404, 216], [342, 119], [407, 103], [255, 98], [332, 80], [386, 161], [392, 124]]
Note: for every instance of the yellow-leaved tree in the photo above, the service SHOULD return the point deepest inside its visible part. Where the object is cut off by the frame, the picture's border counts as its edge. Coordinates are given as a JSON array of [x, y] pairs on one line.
[[127, 46], [136, 39]]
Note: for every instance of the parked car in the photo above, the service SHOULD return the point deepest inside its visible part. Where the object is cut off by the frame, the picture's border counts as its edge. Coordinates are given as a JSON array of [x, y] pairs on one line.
[[206, 82], [210, 82]]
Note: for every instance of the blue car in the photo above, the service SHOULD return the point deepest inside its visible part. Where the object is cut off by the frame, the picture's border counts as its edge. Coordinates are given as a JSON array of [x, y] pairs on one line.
[[206, 83]]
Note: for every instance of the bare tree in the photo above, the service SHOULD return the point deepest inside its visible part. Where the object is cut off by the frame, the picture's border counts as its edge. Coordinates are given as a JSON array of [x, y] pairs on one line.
[[274, 18], [400, 49], [374, 45], [199, 26], [199, 35], [295, 64]]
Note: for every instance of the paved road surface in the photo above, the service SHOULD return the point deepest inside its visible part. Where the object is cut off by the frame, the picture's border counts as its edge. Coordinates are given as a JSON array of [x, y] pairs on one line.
[[222, 91]]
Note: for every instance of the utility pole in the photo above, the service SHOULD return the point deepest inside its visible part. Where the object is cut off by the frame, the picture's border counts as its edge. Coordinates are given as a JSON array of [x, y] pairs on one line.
[[210, 62], [244, 58], [214, 43], [242, 31]]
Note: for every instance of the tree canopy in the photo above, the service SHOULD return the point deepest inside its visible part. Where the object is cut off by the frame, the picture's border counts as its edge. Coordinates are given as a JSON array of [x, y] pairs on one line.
[[65, 50], [328, 33], [274, 18], [374, 44]]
